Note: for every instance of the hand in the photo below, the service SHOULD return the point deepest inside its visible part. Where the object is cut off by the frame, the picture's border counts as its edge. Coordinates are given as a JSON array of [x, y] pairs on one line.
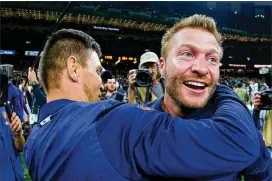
[[257, 101], [32, 76], [15, 125], [132, 78]]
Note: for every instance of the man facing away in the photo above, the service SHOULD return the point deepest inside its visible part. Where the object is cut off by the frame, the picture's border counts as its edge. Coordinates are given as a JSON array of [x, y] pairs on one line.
[[81, 138]]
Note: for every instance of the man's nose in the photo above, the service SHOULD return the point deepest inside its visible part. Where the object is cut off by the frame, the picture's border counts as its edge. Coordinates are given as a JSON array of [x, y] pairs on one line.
[[200, 67]]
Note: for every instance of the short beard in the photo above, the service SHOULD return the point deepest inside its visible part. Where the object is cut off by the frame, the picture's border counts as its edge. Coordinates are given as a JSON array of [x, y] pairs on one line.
[[91, 97], [175, 96]]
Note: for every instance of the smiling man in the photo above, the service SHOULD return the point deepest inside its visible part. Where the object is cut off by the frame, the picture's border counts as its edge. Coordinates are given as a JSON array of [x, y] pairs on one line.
[[81, 138], [190, 60], [191, 53]]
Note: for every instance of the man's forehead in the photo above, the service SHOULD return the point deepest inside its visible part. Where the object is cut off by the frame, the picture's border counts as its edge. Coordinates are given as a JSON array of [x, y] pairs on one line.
[[111, 80], [197, 36]]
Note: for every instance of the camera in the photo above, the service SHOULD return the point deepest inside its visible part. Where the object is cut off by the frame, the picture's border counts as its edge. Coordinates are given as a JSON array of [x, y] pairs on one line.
[[143, 78], [266, 99], [7, 70]]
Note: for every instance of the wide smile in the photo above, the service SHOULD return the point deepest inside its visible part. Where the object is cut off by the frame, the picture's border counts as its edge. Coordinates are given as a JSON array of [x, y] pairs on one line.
[[196, 86]]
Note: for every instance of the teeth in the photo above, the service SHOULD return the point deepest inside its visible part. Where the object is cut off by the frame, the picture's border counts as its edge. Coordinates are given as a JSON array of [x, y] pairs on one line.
[[196, 84]]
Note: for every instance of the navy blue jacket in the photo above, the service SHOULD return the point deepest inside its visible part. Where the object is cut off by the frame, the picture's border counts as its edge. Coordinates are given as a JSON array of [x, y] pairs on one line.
[[22, 102], [39, 99], [109, 140], [14, 98], [10, 161], [260, 170]]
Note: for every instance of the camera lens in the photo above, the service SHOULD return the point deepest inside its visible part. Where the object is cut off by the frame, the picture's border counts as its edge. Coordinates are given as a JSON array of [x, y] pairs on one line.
[[143, 78]]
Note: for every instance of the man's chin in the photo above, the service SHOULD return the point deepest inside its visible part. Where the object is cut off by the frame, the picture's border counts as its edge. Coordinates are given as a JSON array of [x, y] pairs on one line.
[[196, 105], [194, 102]]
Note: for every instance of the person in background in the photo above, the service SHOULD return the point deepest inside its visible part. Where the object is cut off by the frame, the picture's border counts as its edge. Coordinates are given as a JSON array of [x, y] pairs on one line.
[[148, 60], [251, 91], [14, 99], [11, 143], [241, 92], [111, 91], [39, 97], [263, 120]]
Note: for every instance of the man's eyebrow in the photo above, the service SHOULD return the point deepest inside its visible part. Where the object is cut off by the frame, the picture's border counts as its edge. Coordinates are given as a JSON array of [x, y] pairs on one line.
[[211, 51]]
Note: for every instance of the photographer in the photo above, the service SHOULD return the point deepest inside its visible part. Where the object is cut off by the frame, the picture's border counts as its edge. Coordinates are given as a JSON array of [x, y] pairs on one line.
[[11, 138], [137, 93], [262, 115]]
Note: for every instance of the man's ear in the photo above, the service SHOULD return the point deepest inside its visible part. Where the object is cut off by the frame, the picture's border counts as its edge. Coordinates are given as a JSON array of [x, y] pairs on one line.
[[73, 68], [162, 66]]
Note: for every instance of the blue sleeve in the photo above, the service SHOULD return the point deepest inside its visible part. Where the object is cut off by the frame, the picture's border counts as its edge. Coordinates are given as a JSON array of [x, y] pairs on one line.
[[14, 98], [256, 118], [39, 95], [25, 108], [261, 169], [154, 143]]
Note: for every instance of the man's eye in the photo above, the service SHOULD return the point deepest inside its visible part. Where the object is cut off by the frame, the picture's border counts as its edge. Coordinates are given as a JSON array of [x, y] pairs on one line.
[[187, 54], [212, 60]]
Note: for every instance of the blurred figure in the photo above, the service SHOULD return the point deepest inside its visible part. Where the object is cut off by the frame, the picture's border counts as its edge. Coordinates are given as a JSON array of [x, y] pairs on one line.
[[111, 91], [39, 97], [263, 121], [251, 91], [241, 92], [11, 143], [14, 97], [148, 60]]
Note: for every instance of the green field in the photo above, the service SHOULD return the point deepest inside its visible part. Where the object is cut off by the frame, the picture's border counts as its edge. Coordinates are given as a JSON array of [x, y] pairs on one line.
[[26, 175]]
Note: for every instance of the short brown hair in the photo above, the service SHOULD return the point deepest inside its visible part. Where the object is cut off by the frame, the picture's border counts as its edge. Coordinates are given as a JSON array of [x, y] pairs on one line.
[[195, 21], [58, 48]]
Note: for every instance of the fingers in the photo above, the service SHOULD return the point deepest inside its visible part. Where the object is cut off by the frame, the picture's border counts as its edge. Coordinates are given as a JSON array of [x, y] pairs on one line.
[[132, 71], [17, 127], [15, 124], [13, 116], [132, 76], [132, 79]]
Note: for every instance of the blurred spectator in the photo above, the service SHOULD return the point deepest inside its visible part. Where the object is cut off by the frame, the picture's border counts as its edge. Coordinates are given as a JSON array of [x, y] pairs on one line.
[[241, 92], [112, 92]]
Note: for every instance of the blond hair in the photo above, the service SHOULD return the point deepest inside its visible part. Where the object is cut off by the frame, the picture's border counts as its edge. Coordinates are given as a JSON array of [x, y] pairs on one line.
[[195, 21]]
